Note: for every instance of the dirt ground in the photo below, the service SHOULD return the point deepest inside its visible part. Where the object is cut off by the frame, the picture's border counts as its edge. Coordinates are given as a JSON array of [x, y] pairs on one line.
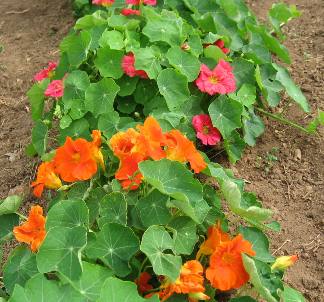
[[292, 185]]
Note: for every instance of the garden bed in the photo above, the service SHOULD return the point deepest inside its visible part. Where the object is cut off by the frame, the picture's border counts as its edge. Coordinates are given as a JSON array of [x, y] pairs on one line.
[[290, 185]]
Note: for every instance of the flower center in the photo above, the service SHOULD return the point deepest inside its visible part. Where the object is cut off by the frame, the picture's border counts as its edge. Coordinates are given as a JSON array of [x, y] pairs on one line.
[[76, 157], [228, 258], [213, 79], [205, 130]]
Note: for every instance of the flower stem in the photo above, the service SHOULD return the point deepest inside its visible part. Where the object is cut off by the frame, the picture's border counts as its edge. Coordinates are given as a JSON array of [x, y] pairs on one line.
[[21, 216], [281, 119]]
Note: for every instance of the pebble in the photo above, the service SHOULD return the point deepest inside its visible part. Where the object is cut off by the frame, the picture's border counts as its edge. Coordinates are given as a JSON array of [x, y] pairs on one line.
[[298, 154]]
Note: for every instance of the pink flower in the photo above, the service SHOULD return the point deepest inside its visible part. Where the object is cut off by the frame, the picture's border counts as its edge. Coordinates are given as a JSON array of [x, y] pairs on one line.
[[55, 89], [46, 72], [138, 2], [219, 80], [103, 2], [206, 132], [128, 65], [129, 11]]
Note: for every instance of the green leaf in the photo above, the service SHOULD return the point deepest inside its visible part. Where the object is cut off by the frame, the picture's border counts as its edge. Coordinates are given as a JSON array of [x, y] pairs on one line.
[[291, 295], [226, 115], [244, 72], [174, 87], [155, 242], [10, 205], [127, 85], [246, 95], [234, 146], [61, 251], [38, 287], [173, 179], [113, 208], [153, 209], [39, 137], [259, 241], [292, 89], [184, 62], [20, 267], [76, 47], [93, 204], [8, 222], [259, 277], [165, 26], [108, 62], [115, 245], [78, 128], [108, 123], [36, 98], [92, 280], [113, 39], [100, 96], [147, 59], [184, 234], [253, 127], [90, 21], [214, 52], [258, 53], [68, 213], [318, 121], [116, 290], [243, 299], [126, 105]]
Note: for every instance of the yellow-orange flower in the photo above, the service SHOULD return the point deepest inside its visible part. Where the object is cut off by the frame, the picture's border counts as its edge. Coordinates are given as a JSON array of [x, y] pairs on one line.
[[46, 178], [284, 262], [96, 144], [226, 270], [32, 231], [190, 281], [215, 237], [181, 149], [75, 160]]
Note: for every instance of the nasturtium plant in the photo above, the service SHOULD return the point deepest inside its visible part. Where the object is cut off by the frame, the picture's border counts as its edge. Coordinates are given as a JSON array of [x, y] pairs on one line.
[[173, 60]]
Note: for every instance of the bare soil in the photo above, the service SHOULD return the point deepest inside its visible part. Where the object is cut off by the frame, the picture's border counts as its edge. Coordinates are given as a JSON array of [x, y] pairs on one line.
[[292, 185]]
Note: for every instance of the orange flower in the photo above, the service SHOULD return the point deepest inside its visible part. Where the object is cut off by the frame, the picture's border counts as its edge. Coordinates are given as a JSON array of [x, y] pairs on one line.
[[75, 160], [143, 284], [189, 282], [32, 231], [214, 238], [124, 143], [128, 173], [151, 139], [46, 178], [226, 270], [181, 149], [96, 143]]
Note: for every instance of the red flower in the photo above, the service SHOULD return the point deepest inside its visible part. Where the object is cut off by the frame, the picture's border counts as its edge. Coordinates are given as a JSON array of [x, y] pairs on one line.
[[129, 11], [46, 178], [206, 132], [143, 284], [33, 230], [219, 80], [226, 270], [221, 45], [55, 89], [128, 65], [46, 72]]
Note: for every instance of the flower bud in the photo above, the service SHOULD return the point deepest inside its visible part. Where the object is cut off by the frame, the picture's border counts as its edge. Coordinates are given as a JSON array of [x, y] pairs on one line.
[[185, 46], [284, 262]]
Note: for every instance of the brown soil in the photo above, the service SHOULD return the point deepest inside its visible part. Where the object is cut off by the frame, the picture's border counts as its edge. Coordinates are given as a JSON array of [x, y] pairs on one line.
[[292, 186]]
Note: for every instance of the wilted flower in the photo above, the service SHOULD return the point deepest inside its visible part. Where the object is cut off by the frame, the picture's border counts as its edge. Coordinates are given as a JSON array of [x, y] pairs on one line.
[[284, 262]]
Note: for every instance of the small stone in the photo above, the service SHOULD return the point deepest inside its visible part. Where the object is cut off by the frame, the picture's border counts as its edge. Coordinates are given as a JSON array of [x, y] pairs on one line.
[[298, 154]]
